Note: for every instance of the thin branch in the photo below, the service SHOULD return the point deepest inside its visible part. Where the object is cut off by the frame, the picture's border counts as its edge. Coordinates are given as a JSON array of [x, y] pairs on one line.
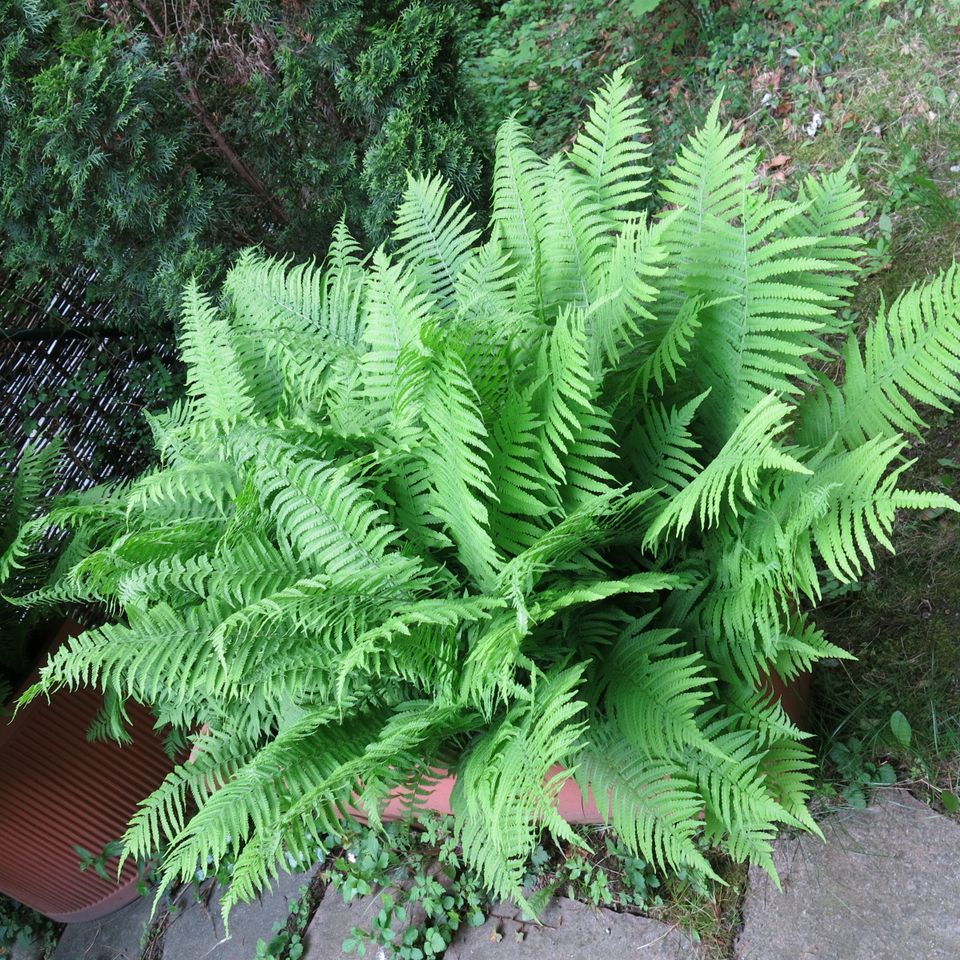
[[43, 334]]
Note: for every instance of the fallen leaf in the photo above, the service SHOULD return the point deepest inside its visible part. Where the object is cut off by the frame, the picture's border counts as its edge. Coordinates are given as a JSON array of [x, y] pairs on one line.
[[784, 107], [767, 79]]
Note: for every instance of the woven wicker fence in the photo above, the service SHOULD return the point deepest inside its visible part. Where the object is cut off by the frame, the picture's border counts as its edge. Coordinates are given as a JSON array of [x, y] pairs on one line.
[[66, 370]]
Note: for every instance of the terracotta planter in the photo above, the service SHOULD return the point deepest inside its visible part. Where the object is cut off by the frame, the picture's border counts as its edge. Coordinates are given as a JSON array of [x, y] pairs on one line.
[[573, 806], [794, 697], [570, 802], [58, 790]]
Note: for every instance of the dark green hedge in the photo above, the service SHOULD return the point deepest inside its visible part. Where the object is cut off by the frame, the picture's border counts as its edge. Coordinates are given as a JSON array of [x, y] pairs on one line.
[[144, 141]]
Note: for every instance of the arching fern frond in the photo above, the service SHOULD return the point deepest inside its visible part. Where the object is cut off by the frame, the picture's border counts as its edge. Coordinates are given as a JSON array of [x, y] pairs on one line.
[[433, 237], [457, 455], [653, 693], [575, 438], [733, 474], [911, 356], [830, 209], [653, 805], [609, 150], [392, 367], [321, 510], [660, 448], [214, 374], [508, 781], [626, 287], [518, 195]]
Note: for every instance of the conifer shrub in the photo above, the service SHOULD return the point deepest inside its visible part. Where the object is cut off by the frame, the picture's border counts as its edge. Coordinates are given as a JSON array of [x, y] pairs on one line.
[[542, 498], [145, 142]]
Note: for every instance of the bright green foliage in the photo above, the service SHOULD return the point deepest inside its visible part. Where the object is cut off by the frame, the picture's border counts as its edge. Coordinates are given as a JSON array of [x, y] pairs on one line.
[[22, 497], [527, 509]]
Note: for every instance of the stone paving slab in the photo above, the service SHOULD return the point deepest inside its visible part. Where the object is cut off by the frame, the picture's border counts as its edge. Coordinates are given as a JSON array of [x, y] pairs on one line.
[[886, 886], [116, 937], [196, 933], [334, 922], [569, 931]]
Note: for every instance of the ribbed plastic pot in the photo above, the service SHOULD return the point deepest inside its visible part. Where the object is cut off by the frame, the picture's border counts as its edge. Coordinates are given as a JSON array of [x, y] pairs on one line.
[[58, 790]]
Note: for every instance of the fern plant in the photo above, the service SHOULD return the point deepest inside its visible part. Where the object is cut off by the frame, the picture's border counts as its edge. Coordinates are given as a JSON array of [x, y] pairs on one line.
[[22, 494], [544, 502]]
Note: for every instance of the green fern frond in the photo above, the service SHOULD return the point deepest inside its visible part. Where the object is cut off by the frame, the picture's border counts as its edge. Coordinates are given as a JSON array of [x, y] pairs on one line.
[[508, 781], [240, 573], [575, 438], [760, 710], [393, 365], [743, 612], [739, 809], [911, 355], [862, 501], [625, 290], [667, 359], [800, 649], [432, 236], [515, 519], [174, 488], [311, 751], [518, 195], [660, 448], [574, 240], [32, 482], [830, 209], [214, 373], [787, 768], [653, 693], [609, 150], [734, 472], [734, 247], [321, 510], [457, 455], [651, 804], [491, 293], [163, 815]]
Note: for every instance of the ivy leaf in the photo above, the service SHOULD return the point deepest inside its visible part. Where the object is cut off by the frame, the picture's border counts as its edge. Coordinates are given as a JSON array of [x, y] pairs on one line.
[[901, 729]]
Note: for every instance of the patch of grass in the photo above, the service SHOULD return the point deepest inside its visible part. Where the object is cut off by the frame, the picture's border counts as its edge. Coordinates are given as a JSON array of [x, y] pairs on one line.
[[904, 627], [808, 82], [895, 100], [710, 912]]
